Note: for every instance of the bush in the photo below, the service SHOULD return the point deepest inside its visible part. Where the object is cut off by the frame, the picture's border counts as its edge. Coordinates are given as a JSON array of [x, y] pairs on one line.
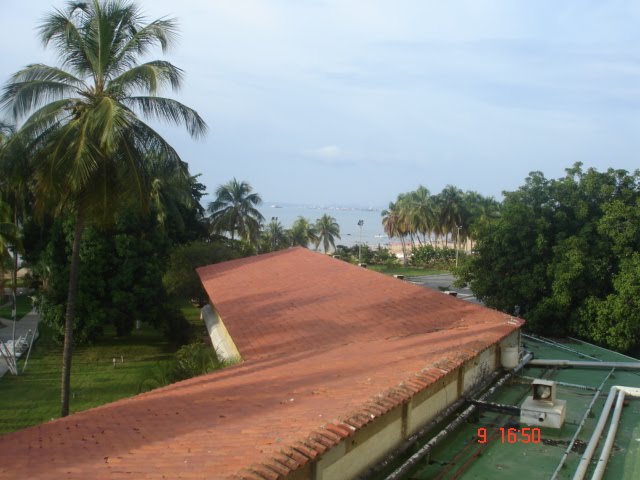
[[429, 256], [189, 361], [195, 359]]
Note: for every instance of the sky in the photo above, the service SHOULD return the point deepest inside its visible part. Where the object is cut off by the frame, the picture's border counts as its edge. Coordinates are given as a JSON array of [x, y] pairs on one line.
[[350, 102]]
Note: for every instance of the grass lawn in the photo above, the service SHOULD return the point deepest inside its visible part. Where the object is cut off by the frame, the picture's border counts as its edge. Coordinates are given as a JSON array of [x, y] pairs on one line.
[[24, 307], [35, 397], [407, 271]]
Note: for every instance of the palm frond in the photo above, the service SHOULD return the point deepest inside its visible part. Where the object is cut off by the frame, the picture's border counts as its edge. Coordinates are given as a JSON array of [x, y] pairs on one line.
[[36, 85], [169, 110], [148, 78], [162, 32]]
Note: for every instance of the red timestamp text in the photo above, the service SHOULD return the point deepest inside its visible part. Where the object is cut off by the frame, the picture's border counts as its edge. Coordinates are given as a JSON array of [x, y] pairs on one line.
[[511, 435]]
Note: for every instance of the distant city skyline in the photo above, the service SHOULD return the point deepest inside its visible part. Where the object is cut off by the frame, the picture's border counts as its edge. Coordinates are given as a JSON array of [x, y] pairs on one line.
[[352, 102]]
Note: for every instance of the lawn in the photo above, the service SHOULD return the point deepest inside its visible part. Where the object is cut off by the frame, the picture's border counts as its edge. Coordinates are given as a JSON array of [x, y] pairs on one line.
[[35, 397], [407, 271], [24, 307]]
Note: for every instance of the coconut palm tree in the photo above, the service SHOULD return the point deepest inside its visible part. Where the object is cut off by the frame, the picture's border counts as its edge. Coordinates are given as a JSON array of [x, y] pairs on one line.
[[84, 123], [395, 224], [274, 237], [451, 212], [303, 232], [234, 211], [327, 230], [170, 189]]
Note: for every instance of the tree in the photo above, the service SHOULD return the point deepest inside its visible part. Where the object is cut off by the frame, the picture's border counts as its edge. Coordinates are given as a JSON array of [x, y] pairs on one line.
[[234, 211], [421, 212], [181, 279], [394, 222], [9, 236], [88, 142], [303, 232], [274, 236], [564, 252], [327, 230], [450, 212]]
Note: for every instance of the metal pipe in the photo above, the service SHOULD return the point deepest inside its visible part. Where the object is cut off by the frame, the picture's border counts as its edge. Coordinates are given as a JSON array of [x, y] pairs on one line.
[[593, 442], [575, 363], [565, 384], [611, 435], [33, 337], [565, 455], [416, 457]]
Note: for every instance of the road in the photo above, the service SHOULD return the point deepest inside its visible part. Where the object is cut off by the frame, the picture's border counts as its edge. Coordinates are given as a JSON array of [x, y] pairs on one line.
[[443, 282]]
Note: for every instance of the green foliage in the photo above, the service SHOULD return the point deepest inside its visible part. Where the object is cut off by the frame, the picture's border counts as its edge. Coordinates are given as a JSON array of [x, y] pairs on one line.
[[326, 230], [564, 252], [274, 237], [181, 279], [370, 256], [193, 360], [234, 211], [302, 233], [120, 277], [430, 256], [189, 361]]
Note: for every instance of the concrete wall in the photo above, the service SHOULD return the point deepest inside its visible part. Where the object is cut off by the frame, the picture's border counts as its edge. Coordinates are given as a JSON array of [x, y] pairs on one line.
[[372, 443], [220, 338]]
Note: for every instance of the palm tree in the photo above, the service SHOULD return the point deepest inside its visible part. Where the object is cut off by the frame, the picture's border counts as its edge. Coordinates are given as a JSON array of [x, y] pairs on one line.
[[170, 190], [234, 211], [480, 210], [303, 232], [451, 212], [422, 212], [83, 120], [274, 236], [327, 230], [394, 223]]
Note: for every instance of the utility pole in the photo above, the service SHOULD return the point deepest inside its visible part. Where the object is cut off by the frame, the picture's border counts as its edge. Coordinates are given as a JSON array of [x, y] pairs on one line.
[[360, 223]]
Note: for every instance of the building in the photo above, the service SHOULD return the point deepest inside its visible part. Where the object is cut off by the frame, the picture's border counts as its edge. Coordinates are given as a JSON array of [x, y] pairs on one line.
[[339, 366]]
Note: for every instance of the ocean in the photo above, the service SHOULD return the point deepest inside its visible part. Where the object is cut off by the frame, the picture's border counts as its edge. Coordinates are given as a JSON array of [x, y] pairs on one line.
[[372, 231]]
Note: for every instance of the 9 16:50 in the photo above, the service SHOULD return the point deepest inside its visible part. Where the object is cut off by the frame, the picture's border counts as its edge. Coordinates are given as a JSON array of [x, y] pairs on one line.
[[512, 435]]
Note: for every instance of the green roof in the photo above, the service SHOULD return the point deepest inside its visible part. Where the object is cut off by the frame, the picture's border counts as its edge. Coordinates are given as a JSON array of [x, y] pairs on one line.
[[461, 456]]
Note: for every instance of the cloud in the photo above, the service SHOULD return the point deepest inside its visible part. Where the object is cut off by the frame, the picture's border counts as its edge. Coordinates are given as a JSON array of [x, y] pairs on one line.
[[333, 155]]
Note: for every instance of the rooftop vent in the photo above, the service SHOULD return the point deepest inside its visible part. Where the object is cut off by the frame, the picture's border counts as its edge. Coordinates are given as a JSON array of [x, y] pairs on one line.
[[542, 408]]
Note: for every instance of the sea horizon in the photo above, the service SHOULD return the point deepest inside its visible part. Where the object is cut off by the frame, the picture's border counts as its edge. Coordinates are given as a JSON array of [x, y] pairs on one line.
[[347, 217]]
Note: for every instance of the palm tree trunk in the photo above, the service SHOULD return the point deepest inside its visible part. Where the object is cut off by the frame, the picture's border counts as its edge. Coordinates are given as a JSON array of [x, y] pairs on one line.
[[67, 352], [404, 250]]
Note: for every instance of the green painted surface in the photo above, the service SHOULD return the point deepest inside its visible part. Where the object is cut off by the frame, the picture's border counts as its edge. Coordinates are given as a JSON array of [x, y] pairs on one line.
[[461, 456]]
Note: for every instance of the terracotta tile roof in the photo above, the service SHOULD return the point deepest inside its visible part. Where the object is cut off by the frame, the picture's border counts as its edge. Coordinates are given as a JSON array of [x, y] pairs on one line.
[[296, 300], [270, 414]]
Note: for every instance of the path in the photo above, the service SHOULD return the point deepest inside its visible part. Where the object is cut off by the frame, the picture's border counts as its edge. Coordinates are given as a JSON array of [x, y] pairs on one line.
[[28, 322]]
